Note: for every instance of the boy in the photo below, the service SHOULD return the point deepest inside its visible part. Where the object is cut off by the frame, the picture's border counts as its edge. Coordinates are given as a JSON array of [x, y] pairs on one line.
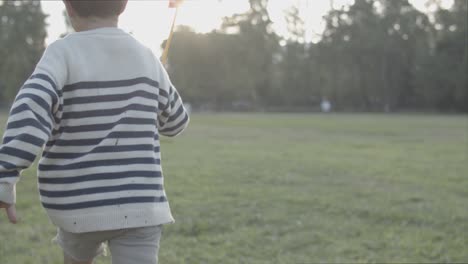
[[98, 101]]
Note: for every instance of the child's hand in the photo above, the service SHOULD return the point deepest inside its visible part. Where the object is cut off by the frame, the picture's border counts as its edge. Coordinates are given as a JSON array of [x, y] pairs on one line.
[[11, 211]]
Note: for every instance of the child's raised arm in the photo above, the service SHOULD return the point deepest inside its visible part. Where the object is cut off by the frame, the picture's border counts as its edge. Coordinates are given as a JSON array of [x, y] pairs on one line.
[[172, 116]]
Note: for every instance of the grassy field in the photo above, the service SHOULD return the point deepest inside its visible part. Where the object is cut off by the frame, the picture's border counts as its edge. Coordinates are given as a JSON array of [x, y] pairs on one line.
[[284, 188]]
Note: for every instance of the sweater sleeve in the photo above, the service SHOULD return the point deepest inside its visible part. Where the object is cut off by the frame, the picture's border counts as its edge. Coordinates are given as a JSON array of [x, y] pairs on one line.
[[173, 118], [33, 116]]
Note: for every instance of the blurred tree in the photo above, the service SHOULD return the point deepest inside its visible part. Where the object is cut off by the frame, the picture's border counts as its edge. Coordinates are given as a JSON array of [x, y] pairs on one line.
[[351, 51], [260, 46], [442, 81], [371, 48], [231, 66], [374, 55], [296, 85], [22, 35], [407, 39], [209, 68]]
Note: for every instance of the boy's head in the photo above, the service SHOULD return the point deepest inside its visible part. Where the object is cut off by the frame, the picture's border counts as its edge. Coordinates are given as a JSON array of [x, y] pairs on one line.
[[95, 8], [91, 14]]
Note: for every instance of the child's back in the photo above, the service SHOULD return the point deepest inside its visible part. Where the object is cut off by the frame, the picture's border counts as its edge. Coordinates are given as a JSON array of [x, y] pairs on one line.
[[101, 167], [97, 102]]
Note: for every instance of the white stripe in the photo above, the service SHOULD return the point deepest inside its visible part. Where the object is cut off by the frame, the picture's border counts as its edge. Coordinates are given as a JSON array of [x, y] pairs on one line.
[[176, 105], [110, 91], [13, 132], [28, 114], [99, 183], [109, 105], [104, 133], [175, 132], [21, 145], [38, 92], [105, 142], [101, 196], [107, 119], [172, 124], [19, 162], [171, 114], [86, 212], [42, 82]]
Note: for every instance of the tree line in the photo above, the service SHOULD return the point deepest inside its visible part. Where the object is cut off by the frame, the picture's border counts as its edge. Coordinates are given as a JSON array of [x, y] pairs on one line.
[[22, 42], [374, 55]]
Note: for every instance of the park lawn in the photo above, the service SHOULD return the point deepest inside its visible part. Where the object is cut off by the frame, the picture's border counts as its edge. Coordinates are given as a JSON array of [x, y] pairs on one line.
[[297, 188]]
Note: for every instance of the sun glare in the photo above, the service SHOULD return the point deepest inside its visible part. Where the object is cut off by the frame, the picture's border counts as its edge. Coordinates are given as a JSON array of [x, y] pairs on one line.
[[204, 16], [150, 21]]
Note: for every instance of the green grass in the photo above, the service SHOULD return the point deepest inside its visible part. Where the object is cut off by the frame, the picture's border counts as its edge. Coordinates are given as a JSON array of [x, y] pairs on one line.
[[284, 188]]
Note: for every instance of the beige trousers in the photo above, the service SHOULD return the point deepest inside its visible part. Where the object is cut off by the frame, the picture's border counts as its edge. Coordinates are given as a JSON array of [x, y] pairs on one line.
[[127, 246]]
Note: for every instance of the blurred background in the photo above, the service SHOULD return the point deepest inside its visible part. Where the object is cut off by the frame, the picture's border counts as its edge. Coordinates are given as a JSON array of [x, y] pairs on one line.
[[260, 55], [322, 131]]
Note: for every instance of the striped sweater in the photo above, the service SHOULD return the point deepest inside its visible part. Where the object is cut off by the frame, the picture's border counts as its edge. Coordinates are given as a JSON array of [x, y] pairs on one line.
[[95, 108]]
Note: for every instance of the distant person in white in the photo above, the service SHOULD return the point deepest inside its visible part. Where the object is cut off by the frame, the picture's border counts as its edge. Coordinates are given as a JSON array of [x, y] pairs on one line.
[[325, 105]]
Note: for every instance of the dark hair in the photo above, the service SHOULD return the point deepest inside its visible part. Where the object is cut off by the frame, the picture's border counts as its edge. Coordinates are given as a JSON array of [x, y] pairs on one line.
[[98, 8]]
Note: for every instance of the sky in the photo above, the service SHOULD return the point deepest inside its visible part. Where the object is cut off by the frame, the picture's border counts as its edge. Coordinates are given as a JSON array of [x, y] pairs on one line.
[[150, 20]]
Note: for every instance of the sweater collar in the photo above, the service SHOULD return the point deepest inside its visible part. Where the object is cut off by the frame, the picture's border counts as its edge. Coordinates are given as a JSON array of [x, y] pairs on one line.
[[102, 30]]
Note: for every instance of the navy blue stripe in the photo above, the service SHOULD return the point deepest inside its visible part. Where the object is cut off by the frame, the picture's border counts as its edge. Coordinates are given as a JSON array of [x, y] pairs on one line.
[[110, 84], [11, 166], [166, 106], [47, 79], [101, 176], [18, 153], [174, 100], [105, 189], [166, 113], [103, 149], [9, 174], [97, 141], [27, 122], [107, 202], [171, 103], [171, 91], [25, 138], [110, 98], [99, 163], [109, 112], [106, 126], [163, 107], [37, 86], [175, 115], [38, 100], [176, 127], [23, 108], [161, 123]]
